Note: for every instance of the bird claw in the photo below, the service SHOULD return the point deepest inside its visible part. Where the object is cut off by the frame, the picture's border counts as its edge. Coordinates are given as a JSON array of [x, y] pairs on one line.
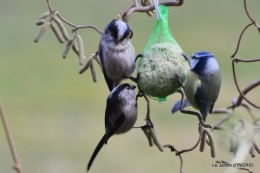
[[186, 57], [177, 78]]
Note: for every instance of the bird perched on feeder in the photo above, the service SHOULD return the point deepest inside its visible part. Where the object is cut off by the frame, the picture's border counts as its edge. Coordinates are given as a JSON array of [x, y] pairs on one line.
[[203, 82], [116, 53], [120, 115]]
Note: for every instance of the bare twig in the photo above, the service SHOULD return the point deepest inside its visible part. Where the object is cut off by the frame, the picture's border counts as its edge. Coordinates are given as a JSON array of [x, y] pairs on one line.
[[148, 118], [195, 146], [249, 16], [75, 27], [194, 113], [249, 88], [172, 148], [126, 15], [86, 26], [17, 166], [221, 111], [222, 120], [239, 40], [253, 22]]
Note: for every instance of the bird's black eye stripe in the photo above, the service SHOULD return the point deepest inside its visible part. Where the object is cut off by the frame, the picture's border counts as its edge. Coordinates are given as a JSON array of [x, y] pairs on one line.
[[113, 29]]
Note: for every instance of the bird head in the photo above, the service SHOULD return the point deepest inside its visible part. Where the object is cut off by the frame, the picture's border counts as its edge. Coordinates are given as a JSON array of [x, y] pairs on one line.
[[203, 63], [117, 31]]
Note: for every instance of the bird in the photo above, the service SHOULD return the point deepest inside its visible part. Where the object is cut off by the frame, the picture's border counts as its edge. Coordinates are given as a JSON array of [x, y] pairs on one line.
[[120, 115], [203, 82], [116, 52]]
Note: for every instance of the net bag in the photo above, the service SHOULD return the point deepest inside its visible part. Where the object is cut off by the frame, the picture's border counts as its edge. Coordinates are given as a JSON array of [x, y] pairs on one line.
[[162, 59]]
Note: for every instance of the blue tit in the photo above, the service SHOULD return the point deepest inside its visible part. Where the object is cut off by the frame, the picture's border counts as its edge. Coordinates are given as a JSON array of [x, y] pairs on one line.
[[203, 82], [120, 115], [116, 53]]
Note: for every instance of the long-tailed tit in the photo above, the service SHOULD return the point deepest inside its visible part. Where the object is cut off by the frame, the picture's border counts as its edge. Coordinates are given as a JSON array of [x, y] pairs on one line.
[[120, 115], [116, 53]]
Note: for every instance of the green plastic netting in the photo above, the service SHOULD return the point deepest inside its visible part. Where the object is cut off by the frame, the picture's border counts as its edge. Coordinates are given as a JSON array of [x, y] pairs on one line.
[[162, 59]]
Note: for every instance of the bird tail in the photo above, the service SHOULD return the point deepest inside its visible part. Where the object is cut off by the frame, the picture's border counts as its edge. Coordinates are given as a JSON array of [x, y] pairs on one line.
[[96, 151]]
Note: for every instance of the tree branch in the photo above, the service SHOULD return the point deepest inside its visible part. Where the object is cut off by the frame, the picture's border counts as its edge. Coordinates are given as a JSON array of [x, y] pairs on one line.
[[172, 148], [17, 166], [76, 27], [249, 16], [239, 40], [126, 15], [248, 88]]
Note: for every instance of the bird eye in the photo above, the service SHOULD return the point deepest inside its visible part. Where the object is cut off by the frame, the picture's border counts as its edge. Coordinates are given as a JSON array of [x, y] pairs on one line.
[[127, 87], [111, 34]]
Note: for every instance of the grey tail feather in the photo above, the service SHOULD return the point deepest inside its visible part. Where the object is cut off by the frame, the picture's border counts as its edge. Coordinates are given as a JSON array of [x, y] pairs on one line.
[[177, 105], [96, 151]]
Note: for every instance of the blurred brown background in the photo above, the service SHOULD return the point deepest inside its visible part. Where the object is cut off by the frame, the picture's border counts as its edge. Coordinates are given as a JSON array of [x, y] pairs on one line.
[[57, 116]]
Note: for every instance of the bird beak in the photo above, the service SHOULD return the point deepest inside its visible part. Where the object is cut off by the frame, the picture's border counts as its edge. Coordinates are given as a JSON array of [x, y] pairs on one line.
[[133, 87]]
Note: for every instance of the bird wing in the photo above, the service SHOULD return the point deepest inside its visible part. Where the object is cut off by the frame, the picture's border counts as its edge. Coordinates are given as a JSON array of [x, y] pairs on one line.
[[112, 124], [114, 115], [109, 81], [202, 98], [207, 93], [177, 105]]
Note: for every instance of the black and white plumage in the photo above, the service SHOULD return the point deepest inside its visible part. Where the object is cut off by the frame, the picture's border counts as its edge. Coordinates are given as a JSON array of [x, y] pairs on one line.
[[120, 115], [203, 82], [116, 53]]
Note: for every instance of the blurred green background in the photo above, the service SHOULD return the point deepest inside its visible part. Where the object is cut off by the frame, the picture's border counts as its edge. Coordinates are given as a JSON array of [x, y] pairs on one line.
[[56, 116]]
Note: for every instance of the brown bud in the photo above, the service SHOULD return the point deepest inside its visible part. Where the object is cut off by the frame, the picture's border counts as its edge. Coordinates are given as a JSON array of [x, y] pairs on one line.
[[42, 31], [40, 22], [202, 141], [66, 49], [155, 139], [81, 50], [44, 15], [147, 134], [57, 32], [212, 142], [75, 47], [86, 66], [93, 72], [62, 27]]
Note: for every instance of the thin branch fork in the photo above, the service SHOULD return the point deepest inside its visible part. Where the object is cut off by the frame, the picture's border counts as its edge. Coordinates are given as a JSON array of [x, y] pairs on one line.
[[194, 113], [239, 40], [148, 118], [253, 22], [76, 27], [173, 149], [135, 8], [195, 146], [17, 166]]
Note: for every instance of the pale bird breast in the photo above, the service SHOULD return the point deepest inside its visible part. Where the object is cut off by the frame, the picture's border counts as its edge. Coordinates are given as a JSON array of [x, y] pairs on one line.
[[191, 86]]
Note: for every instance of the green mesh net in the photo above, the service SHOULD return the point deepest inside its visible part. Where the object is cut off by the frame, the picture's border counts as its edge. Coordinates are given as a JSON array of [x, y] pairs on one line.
[[161, 32], [162, 59]]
